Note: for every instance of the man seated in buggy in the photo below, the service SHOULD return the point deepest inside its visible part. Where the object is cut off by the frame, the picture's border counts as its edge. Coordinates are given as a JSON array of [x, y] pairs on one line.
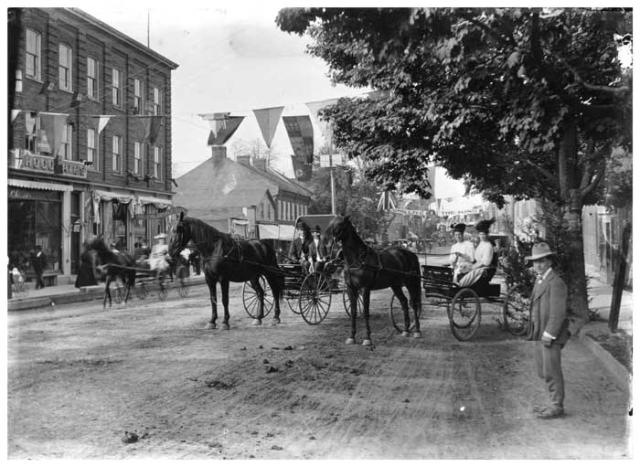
[[317, 251], [299, 249], [485, 260]]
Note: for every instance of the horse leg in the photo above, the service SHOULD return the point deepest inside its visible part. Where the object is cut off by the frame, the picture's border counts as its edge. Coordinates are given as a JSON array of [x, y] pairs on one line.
[[214, 303], [366, 295], [224, 286], [107, 293], [353, 305], [255, 283], [416, 303], [276, 284], [404, 304]]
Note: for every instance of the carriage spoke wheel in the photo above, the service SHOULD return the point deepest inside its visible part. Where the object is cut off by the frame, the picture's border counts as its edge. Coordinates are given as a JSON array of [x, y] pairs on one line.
[[141, 290], [251, 300], [347, 305], [397, 316], [515, 312], [183, 290], [293, 301], [315, 298], [464, 314]]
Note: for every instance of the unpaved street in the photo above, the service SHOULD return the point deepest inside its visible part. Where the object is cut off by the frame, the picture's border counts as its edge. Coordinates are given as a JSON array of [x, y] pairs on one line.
[[79, 377]]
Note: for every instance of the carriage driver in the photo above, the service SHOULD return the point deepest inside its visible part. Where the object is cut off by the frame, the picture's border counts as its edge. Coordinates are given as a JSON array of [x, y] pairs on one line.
[[299, 249], [159, 255], [317, 251]]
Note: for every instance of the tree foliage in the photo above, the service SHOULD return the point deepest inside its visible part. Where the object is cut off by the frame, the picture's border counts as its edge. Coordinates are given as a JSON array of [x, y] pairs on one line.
[[526, 102]]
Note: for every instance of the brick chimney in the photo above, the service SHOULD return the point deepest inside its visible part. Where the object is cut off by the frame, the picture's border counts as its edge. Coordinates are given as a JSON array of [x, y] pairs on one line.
[[218, 154]]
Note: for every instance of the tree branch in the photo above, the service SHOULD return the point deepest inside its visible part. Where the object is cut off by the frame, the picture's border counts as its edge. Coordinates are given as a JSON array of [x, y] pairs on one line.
[[594, 183], [593, 87], [548, 175]]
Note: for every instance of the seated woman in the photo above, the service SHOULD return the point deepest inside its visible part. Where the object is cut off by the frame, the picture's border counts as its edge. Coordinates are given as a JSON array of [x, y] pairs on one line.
[[462, 253], [158, 260], [484, 267]]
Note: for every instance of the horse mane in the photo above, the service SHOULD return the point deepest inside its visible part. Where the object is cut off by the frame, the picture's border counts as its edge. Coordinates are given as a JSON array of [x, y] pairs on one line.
[[203, 233]]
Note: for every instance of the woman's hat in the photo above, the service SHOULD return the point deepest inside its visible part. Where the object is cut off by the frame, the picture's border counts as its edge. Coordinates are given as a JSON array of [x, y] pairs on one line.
[[160, 235], [484, 225], [540, 250], [316, 229], [458, 227]]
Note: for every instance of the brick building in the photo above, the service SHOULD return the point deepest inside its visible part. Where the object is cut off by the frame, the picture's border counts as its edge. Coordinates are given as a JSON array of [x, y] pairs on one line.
[[89, 136]]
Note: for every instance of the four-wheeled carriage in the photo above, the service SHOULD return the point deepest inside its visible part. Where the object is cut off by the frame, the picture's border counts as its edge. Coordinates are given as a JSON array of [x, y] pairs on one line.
[[464, 304], [145, 279]]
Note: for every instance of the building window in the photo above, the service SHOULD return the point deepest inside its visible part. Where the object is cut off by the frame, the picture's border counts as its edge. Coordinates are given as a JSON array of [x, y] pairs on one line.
[[157, 101], [116, 154], [137, 158], [64, 67], [116, 89], [137, 96], [92, 148], [92, 78], [32, 124], [157, 161], [34, 55], [65, 145]]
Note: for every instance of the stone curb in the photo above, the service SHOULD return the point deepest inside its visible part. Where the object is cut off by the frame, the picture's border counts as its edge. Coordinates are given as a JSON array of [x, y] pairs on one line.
[[617, 369], [84, 294]]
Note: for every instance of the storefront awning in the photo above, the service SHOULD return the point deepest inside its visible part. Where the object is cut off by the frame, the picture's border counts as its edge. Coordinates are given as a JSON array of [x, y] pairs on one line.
[[38, 185], [109, 195], [158, 202]]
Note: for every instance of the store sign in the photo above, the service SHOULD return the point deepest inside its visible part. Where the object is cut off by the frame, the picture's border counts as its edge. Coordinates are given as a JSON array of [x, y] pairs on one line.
[[36, 163], [73, 169]]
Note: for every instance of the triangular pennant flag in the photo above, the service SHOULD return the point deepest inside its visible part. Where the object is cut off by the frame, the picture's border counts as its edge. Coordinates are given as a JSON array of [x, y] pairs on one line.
[[301, 169], [300, 131], [14, 114], [223, 127], [323, 125], [268, 122], [53, 125], [102, 121], [151, 124]]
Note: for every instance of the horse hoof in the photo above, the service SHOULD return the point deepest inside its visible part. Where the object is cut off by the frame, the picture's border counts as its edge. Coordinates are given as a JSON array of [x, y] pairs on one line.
[[350, 341], [210, 326], [405, 333], [225, 326], [275, 321], [257, 322], [417, 335], [366, 343]]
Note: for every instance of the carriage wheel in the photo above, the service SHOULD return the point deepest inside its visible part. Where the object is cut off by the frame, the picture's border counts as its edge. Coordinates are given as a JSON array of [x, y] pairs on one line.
[[315, 298], [183, 290], [293, 301], [464, 314], [515, 312], [397, 317], [251, 301], [347, 307], [141, 290], [163, 291], [117, 289]]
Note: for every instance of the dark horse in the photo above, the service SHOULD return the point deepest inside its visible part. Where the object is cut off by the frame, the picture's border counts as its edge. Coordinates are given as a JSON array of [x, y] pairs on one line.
[[367, 269], [115, 265], [227, 260]]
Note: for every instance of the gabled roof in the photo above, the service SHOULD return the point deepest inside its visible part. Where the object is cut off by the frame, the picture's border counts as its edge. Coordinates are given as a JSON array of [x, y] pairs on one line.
[[229, 184]]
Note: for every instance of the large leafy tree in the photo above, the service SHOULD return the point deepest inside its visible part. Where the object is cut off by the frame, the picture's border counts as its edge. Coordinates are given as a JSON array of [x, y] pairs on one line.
[[523, 102]]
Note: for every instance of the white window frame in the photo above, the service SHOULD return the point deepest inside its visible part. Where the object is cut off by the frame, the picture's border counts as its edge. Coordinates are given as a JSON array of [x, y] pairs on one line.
[[65, 67], [116, 154], [65, 151], [93, 78], [33, 62], [138, 94], [92, 148], [137, 158], [157, 101], [116, 87], [157, 162]]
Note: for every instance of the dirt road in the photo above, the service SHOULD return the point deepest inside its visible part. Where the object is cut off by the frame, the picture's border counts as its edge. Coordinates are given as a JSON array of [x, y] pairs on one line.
[[80, 377]]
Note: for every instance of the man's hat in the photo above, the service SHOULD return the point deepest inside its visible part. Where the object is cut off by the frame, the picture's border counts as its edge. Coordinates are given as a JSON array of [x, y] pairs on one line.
[[458, 227], [160, 235], [316, 229], [540, 250], [484, 225]]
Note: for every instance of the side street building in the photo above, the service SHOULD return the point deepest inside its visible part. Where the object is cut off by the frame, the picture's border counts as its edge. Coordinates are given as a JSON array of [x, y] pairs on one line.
[[89, 137]]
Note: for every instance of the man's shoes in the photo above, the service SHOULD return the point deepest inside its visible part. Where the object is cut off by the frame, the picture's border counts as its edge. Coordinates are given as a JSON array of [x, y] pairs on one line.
[[550, 412]]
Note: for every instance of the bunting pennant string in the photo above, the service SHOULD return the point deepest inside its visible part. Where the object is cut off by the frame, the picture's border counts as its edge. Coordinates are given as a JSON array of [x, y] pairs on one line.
[[323, 125], [301, 169], [223, 126], [14, 114], [268, 122], [300, 131]]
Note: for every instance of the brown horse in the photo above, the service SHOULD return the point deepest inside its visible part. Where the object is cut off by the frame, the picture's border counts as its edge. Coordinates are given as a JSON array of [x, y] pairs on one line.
[[116, 265], [367, 269], [227, 259]]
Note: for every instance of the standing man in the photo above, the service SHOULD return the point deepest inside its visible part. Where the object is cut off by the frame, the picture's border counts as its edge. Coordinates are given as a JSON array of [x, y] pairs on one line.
[[549, 327], [39, 262]]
